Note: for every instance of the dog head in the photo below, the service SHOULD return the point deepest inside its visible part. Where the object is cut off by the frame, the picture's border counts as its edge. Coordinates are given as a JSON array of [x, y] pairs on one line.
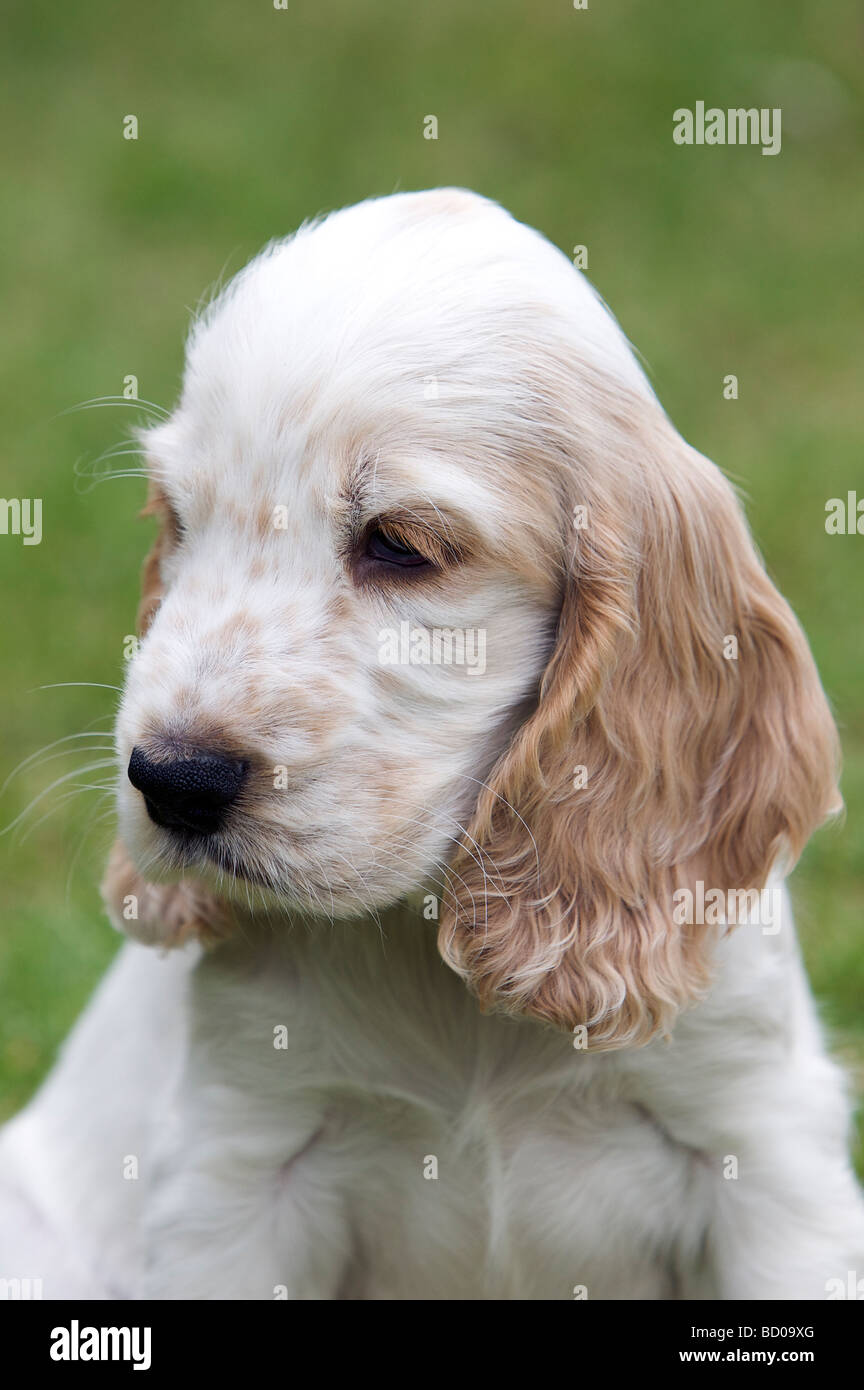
[[441, 601]]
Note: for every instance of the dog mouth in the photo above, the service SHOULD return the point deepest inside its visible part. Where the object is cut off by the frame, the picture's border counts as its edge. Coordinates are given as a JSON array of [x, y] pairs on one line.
[[194, 851], [251, 852]]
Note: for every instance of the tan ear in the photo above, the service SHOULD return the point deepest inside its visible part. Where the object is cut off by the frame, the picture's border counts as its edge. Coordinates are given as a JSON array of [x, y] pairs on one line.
[[156, 913], [699, 765]]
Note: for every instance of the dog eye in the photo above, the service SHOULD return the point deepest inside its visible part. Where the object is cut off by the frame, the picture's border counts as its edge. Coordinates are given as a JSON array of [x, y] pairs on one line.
[[381, 546]]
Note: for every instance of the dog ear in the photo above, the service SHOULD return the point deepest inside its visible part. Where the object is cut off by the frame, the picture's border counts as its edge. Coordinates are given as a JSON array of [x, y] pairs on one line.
[[157, 913], [681, 733]]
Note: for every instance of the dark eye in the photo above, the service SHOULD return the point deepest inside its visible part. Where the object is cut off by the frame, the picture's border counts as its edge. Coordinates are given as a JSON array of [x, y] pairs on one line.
[[381, 546]]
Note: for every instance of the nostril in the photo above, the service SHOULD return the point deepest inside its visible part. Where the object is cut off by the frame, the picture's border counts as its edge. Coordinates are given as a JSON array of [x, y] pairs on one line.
[[191, 791]]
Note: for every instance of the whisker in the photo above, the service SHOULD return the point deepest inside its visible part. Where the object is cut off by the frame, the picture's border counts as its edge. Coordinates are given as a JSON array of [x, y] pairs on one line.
[[25, 762], [77, 772], [97, 818], [61, 801], [476, 857], [405, 843], [103, 402], [63, 685], [510, 807]]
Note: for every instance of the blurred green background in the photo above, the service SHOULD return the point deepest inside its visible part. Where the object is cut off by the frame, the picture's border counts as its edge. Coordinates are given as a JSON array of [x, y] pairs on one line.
[[716, 260]]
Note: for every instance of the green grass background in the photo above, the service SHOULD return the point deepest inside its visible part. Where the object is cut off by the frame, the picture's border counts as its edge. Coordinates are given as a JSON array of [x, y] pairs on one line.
[[716, 260]]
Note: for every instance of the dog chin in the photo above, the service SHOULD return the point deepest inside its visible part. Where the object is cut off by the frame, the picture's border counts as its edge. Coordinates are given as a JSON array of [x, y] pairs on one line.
[[225, 871], [232, 879], [220, 868]]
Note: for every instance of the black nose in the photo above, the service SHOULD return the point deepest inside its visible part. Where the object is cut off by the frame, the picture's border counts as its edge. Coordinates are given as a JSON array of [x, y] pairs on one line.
[[192, 792]]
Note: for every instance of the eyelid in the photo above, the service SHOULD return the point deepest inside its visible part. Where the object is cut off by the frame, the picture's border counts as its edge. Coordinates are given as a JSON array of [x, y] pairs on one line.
[[396, 535], [436, 549], [382, 548]]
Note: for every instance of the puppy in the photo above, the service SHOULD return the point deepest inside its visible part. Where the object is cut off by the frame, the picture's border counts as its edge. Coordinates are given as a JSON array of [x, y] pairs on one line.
[[464, 754]]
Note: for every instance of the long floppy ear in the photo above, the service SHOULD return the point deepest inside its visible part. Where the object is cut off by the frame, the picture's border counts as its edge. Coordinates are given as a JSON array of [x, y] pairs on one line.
[[157, 913], [681, 733]]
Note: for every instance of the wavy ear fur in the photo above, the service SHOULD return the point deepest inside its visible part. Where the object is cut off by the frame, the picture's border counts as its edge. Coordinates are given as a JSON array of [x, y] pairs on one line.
[[698, 766]]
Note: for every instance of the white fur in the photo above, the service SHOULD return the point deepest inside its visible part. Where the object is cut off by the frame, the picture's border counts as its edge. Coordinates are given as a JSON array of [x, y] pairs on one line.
[[264, 1170]]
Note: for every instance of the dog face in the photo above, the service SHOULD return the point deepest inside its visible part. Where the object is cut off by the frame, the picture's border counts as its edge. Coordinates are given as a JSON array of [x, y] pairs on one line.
[[352, 603], [441, 600]]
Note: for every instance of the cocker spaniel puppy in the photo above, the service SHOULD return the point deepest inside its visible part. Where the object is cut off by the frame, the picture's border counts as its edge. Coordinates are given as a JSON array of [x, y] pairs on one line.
[[465, 750]]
